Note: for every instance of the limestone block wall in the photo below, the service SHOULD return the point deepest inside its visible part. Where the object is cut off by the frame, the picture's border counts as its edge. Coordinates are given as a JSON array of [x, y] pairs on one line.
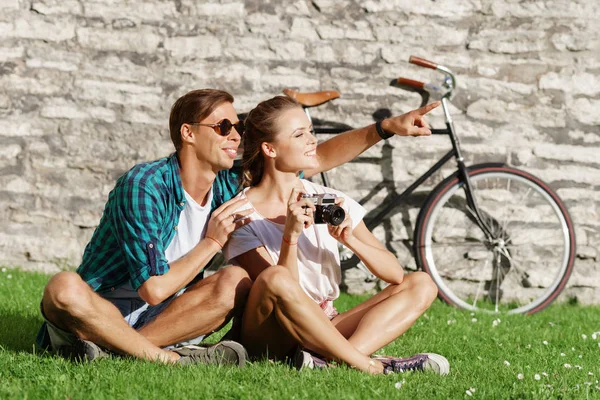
[[86, 87]]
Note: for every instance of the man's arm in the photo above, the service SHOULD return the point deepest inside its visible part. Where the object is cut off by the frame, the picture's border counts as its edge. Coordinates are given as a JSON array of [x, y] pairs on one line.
[[181, 272], [223, 221], [356, 141]]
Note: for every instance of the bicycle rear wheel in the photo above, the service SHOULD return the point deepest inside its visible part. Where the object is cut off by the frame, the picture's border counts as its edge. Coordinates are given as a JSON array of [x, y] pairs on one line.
[[521, 267]]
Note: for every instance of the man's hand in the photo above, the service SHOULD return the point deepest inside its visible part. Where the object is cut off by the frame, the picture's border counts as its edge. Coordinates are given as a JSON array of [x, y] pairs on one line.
[[227, 218], [410, 124]]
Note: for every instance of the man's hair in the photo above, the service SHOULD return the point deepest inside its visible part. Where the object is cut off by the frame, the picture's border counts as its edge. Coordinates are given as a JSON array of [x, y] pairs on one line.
[[192, 107]]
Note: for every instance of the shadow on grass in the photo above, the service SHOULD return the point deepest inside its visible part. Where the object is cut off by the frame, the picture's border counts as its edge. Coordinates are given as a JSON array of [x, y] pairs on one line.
[[18, 332]]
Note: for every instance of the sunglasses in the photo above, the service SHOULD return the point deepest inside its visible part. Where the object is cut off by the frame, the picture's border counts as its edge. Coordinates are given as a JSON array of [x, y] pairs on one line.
[[223, 128]]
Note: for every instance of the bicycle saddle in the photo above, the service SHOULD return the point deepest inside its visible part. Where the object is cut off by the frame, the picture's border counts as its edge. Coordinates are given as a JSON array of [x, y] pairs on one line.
[[311, 99]]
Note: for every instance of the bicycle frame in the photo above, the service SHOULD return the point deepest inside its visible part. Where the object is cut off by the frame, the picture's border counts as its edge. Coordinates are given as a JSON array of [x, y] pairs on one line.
[[445, 90]]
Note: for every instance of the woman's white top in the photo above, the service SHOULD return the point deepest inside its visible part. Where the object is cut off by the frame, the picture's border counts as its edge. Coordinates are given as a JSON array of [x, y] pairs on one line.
[[318, 255]]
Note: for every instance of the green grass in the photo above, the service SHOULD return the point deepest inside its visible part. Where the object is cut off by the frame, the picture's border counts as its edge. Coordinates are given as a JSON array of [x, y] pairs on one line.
[[476, 351]]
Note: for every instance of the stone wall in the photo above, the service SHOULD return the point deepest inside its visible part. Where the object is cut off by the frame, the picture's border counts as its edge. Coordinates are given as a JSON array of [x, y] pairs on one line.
[[86, 87]]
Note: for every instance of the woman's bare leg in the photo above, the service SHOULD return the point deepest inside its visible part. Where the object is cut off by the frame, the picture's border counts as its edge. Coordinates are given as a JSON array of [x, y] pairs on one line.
[[387, 315], [279, 315], [203, 308]]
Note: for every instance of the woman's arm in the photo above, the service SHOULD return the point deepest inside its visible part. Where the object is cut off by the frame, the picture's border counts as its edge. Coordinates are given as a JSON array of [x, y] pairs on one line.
[[373, 253], [356, 141], [255, 261]]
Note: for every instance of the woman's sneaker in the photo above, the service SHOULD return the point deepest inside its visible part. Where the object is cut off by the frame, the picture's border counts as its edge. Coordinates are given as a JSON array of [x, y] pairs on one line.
[[419, 362], [305, 360], [226, 352]]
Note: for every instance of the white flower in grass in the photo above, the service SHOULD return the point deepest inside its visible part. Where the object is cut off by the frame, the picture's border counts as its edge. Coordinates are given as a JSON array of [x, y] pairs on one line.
[[472, 390], [590, 373], [584, 337], [594, 335], [537, 377], [3, 269], [549, 386], [473, 319], [506, 363], [545, 342], [472, 314], [479, 358], [597, 387], [520, 377], [451, 321], [587, 383], [562, 354], [580, 356], [567, 365], [573, 348], [528, 346], [551, 323], [545, 374], [496, 322], [578, 367], [398, 385], [9, 276], [468, 392]]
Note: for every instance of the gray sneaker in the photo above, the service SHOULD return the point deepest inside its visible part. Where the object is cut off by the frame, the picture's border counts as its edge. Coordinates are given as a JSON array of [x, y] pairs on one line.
[[419, 362], [82, 350], [226, 352], [305, 360]]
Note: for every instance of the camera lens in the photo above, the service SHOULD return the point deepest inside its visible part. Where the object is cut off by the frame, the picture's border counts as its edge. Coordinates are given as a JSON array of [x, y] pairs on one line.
[[333, 215]]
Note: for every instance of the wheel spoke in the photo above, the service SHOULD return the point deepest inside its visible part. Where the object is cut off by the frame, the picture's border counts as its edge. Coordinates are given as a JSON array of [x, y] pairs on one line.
[[529, 255]]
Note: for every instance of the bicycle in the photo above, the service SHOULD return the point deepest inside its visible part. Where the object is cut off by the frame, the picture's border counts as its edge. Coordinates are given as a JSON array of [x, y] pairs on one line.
[[472, 231]]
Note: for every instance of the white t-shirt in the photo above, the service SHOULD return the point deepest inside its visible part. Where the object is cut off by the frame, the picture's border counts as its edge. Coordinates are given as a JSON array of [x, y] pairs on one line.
[[318, 256], [191, 228]]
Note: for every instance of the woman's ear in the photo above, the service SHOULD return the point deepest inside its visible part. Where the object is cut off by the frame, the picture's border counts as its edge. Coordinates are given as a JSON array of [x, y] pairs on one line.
[[268, 150], [187, 135]]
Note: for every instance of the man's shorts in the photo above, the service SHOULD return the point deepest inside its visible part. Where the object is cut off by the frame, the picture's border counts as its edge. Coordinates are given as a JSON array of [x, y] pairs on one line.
[[137, 313]]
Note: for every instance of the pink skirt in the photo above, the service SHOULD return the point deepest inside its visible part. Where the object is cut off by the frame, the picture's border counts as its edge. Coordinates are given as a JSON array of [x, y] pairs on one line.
[[329, 309]]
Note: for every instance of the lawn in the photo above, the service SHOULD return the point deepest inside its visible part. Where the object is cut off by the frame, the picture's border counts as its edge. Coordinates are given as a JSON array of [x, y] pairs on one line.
[[554, 354]]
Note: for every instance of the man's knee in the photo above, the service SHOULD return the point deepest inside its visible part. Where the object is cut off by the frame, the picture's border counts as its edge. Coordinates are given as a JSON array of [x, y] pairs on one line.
[[66, 292]]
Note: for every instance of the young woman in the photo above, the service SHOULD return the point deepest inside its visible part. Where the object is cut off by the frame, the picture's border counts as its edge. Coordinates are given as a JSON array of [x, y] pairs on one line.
[[296, 266]]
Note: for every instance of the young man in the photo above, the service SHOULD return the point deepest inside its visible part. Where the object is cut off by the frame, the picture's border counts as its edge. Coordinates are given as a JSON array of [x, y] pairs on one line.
[[138, 291]]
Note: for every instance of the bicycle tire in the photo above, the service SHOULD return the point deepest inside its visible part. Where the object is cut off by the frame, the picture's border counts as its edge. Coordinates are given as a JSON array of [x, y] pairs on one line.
[[521, 277]]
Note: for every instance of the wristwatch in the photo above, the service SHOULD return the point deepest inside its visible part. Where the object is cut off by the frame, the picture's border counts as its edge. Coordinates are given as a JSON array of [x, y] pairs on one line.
[[382, 132]]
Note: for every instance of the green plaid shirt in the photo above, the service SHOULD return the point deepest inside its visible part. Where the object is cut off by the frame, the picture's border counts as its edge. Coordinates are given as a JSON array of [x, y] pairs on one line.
[[139, 222]]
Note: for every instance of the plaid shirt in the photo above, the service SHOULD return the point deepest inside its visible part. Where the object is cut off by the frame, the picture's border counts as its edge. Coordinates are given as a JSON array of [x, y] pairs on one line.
[[139, 222]]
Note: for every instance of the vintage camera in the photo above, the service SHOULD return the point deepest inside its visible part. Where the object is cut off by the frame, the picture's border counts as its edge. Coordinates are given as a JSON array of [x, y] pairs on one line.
[[327, 212]]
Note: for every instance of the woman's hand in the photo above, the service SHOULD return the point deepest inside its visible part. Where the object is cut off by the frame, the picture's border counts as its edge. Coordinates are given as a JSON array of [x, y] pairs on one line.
[[299, 215], [343, 232]]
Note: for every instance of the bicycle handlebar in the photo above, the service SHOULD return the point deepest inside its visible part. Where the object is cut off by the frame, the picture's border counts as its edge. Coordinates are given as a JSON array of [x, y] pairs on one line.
[[422, 62], [411, 82]]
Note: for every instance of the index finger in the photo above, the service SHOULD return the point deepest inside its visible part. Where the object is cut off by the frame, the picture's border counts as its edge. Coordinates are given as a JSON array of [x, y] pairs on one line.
[[424, 110], [230, 205], [293, 196]]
